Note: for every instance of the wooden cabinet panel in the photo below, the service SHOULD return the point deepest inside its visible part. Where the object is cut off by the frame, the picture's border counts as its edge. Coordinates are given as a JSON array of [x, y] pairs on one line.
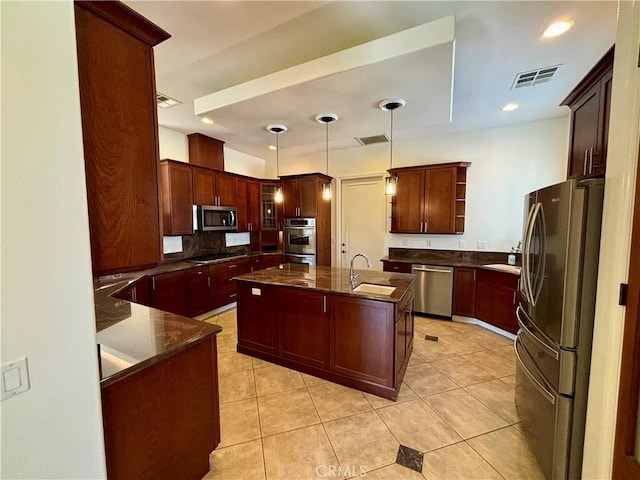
[[223, 286], [177, 199], [198, 298], [430, 199], [226, 189], [464, 291], [309, 197], [271, 212], [304, 327], [137, 292], [590, 103], [272, 260], [404, 333], [253, 205], [362, 337], [440, 184], [400, 267], [257, 317], [120, 134], [206, 151], [169, 292], [242, 204], [496, 299], [203, 186], [291, 194]]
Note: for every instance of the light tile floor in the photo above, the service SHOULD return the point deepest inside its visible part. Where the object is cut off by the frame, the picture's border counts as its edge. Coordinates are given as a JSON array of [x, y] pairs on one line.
[[456, 407]]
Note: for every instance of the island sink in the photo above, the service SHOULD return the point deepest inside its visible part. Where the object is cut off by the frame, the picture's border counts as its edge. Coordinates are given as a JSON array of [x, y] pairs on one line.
[[374, 289]]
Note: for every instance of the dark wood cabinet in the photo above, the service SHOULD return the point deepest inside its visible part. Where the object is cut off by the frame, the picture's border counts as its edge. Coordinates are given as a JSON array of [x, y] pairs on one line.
[[590, 104], [177, 198], [137, 292], [258, 317], [464, 291], [272, 260], [213, 188], [404, 333], [304, 328], [399, 267], [223, 286], [198, 297], [120, 134], [270, 211], [248, 204], [430, 199], [496, 299], [169, 292], [206, 151], [163, 421]]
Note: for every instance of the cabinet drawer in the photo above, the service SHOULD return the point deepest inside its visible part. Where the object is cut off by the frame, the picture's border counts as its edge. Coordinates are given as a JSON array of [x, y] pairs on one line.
[[399, 267]]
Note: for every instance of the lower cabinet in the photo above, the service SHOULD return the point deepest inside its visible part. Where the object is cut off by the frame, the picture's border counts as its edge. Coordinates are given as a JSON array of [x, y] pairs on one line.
[[271, 260], [169, 293], [198, 298], [400, 267], [357, 342], [464, 291], [496, 299], [137, 292], [222, 285]]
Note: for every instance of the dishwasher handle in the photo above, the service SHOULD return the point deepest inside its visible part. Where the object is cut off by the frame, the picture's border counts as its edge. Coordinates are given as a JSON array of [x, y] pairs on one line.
[[434, 270]]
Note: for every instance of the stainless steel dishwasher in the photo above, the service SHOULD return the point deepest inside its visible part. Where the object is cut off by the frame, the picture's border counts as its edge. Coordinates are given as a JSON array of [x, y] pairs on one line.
[[433, 289]]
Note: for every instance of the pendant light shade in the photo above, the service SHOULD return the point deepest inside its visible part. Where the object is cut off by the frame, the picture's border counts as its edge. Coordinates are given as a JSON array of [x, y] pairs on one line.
[[277, 129], [327, 118], [389, 105]]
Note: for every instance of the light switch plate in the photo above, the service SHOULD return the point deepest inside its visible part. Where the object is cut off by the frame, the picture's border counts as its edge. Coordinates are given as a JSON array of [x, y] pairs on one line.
[[256, 291], [482, 245], [15, 378]]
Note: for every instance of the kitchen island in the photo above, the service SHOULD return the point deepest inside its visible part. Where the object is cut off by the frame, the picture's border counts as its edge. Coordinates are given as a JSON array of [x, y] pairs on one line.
[[312, 319], [159, 385]]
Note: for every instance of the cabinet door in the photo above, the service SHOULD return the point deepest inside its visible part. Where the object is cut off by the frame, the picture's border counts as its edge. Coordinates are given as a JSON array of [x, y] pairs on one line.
[[206, 151], [272, 260], [226, 189], [362, 339], [119, 131], [253, 205], [408, 204], [258, 316], [169, 293], [399, 267], [304, 327], [440, 200], [177, 200], [599, 160], [584, 121], [198, 291], [464, 291], [203, 187], [291, 194], [242, 204], [308, 197], [496, 299]]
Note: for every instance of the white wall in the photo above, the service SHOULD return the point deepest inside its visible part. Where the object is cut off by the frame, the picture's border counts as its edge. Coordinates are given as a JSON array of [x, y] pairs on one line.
[[507, 163], [175, 146], [53, 430], [622, 159]]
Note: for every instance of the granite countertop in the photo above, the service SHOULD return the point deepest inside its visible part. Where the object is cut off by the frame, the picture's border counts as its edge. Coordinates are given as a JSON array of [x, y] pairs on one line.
[[131, 337], [331, 280], [454, 258]]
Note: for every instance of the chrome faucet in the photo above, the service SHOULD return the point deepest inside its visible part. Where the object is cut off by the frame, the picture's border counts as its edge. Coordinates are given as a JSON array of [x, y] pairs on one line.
[[352, 274]]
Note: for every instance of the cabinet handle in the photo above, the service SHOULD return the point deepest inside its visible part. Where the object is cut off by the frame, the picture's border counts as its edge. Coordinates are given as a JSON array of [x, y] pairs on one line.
[[232, 266], [233, 295], [584, 167], [209, 282], [474, 274], [591, 160], [514, 297], [153, 283], [324, 304], [134, 296]]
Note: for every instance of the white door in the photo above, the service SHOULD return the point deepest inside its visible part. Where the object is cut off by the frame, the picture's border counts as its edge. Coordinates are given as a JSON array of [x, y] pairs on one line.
[[363, 222]]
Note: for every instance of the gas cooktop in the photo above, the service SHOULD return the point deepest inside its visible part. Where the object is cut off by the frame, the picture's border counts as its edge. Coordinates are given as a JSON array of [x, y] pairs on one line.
[[213, 257]]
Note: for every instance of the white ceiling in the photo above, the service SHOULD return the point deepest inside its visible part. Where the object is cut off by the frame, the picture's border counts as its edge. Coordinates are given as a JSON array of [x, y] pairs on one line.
[[230, 46]]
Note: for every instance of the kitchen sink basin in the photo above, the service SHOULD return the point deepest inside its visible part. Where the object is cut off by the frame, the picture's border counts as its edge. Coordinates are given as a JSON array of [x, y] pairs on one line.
[[504, 268], [374, 289]]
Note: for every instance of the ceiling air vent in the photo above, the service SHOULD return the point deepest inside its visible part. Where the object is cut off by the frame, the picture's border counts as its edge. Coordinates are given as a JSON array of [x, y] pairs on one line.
[[373, 139], [165, 101], [534, 77]]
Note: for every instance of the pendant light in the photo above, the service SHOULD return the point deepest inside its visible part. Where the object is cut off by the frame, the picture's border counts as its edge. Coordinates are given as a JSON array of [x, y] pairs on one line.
[[327, 118], [277, 129], [390, 105]]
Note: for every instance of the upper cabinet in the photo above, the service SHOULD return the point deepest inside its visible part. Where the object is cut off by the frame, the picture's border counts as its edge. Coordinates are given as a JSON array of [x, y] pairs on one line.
[[248, 204], [590, 104], [206, 151], [177, 199], [120, 134], [213, 188], [302, 193], [430, 199]]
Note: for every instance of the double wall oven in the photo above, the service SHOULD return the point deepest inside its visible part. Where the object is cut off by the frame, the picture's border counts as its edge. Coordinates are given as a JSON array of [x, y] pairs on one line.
[[300, 240]]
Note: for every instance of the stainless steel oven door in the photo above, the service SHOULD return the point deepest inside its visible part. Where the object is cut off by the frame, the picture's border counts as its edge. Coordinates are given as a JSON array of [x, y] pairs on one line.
[[546, 416], [300, 240]]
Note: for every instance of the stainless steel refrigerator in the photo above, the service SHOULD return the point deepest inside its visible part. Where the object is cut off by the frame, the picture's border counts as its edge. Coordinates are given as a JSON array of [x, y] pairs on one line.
[[561, 244]]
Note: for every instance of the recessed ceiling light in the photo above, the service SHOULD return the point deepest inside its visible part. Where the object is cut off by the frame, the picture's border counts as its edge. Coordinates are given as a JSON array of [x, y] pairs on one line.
[[510, 107], [557, 28], [272, 147], [206, 120]]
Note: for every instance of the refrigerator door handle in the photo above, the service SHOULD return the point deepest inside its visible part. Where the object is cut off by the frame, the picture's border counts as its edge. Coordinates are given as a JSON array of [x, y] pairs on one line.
[[525, 255], [527, 250], [539, 278], [549, 396], [554, 353]]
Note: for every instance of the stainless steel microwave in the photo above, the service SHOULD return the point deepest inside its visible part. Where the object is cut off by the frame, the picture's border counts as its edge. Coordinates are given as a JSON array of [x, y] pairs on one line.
[[208, 218]]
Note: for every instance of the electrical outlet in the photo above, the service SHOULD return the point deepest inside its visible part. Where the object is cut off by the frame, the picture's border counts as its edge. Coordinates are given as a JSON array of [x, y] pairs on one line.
[[482, 245], [428, 243], [404, 243], [460, 243]]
